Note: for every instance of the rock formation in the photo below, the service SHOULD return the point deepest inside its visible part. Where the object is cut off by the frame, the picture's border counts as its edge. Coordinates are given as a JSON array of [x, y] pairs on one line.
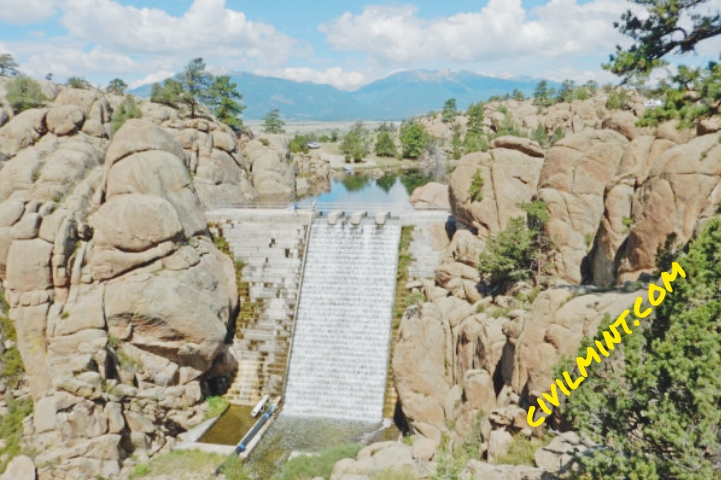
[[120, 299]]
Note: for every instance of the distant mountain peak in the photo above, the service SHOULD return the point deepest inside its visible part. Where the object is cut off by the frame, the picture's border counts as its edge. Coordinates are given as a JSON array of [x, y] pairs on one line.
[[402, 94]]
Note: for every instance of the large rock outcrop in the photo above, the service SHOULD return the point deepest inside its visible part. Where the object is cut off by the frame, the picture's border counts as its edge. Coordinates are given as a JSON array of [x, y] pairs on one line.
[[120, 299], [572, 183], [510, 176]]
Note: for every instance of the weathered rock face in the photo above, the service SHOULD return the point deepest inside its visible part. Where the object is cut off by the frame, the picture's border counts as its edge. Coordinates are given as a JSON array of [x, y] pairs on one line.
[[509, 178], [120, 300], [271, 175], [682, 188], [572, 184], [430, 195], [554, 327]]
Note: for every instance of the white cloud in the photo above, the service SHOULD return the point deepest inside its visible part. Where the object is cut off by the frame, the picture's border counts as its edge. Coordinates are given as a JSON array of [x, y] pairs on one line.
[[335, 76], [152, 78], [24, 12], [207, 29], [66, 60], [393, 35]]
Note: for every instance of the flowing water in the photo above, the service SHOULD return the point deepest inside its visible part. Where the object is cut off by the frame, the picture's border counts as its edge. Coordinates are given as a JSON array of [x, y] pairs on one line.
[[339, 356]]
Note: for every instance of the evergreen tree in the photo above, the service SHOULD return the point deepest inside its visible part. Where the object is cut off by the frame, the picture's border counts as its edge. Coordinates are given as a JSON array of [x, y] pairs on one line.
[[7, 64], [654, 406], [385, 146], [355, 142], [414, 139], [196, 83], [667, 27], [222, 98], [475, 118], [117, 87], [542, 95], [272, 123], [449, 111]]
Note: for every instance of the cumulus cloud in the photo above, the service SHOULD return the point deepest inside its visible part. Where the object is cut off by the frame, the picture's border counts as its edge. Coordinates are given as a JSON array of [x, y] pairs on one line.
[[66, 60], [24, 12], [393, 35], [152, 78], [207, 29], [334, 76]]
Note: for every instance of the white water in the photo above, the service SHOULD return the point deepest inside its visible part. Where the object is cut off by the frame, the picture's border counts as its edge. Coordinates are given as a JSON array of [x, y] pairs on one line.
[[339, 357]]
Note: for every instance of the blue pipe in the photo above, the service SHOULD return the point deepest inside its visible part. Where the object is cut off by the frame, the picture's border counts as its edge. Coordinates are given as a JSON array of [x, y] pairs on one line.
[[249, 436]]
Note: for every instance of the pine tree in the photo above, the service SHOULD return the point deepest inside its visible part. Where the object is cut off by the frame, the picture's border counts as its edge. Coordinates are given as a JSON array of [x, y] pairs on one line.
[[385, 146], [222, 101], [654, 407], [272, 122]]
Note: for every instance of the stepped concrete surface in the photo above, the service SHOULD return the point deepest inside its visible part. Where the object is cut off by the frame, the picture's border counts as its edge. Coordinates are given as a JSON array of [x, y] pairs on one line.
[[271, 245]]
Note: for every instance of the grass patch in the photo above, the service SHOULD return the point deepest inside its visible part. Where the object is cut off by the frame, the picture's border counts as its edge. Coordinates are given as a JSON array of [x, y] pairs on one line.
[[499, 312], [521, 451], [320, 465], [216, 407], [390, 474], [11, 362], [11, 428], [191, 464]]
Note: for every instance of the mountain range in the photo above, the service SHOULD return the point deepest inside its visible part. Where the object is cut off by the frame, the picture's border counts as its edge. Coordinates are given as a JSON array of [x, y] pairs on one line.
[[398, 96]]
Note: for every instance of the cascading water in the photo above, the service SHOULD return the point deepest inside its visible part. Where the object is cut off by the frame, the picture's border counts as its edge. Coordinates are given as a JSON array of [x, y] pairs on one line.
[[339, 356]]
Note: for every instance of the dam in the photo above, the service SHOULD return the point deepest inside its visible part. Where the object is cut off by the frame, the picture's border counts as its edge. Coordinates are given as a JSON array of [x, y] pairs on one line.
[[317, 294]]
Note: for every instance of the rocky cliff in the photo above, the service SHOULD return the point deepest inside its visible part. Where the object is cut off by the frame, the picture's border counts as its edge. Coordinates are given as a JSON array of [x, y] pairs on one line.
[[121, 302], [616, 195]]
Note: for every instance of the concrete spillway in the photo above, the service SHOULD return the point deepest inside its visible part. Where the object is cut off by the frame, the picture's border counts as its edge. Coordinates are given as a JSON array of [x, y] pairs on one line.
[[340, 349]]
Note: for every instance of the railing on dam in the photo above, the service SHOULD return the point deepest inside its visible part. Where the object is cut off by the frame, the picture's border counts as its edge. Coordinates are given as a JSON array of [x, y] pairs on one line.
[[330, 206]]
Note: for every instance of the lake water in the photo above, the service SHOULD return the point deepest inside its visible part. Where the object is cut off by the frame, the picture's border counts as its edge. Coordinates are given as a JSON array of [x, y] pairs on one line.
[[352, 192]]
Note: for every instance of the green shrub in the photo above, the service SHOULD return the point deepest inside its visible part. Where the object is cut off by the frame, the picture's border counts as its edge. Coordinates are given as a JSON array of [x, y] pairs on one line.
[[11, 429], [617, 100], [125, 111], [216, 407], [24, 93], [521, 451], [169, 93], [78, 82], [476, 189], [475, 142], [12, 363], [320, 465]]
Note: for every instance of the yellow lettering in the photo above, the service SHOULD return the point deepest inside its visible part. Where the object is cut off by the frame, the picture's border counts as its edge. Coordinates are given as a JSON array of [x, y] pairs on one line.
[[621, 321], [603, 351], [610, 341], [670, 277], [661, 291], [585, 362], [553, 398], [529, 418], [572, 385], [544, 407], [563, 388], [637, 309]]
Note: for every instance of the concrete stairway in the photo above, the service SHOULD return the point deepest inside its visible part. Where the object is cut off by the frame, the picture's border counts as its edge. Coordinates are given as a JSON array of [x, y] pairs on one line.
[[272, 251], [425, 258]]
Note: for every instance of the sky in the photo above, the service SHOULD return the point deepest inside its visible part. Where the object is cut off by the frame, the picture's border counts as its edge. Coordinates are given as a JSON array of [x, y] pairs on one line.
[[339, 42]]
